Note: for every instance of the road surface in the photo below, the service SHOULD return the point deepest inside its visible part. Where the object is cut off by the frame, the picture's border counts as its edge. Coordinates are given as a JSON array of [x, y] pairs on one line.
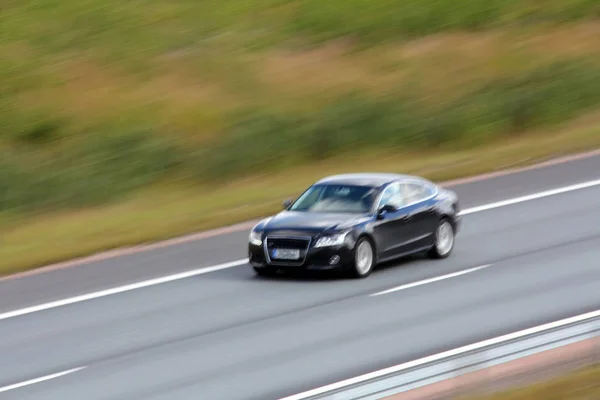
[[230, 335]]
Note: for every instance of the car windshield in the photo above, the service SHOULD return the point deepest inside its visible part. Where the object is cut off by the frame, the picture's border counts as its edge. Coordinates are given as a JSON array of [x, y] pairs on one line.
[[336, 199]]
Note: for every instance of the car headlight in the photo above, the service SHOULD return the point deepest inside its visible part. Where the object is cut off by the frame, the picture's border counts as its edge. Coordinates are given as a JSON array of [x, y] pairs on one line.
[[333, 240], [255, 238]]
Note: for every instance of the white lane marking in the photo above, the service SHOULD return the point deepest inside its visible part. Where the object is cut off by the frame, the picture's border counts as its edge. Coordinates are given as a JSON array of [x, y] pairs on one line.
[[442, 356], [120, 289], [38, 380], [205, 270], [431, 280], [530, 197]]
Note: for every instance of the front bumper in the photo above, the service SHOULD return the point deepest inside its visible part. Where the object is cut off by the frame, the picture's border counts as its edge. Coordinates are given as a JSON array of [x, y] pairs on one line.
[[314, 259], [457, 222]]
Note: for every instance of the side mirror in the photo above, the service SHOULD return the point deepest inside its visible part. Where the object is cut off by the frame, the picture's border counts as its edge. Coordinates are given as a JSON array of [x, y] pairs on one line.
[[384, 210], [287, 203]]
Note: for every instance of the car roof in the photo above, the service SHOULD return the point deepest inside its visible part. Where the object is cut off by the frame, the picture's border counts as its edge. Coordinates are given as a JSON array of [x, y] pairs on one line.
[[374, 179]]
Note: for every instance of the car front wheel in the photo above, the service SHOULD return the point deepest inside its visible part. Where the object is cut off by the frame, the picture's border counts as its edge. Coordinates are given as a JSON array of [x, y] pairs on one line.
[[364, 258], [444, 240]]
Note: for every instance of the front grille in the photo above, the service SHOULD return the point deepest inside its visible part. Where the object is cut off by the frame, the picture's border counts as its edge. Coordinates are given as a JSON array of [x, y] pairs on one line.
[[291, 243], [287, 243]]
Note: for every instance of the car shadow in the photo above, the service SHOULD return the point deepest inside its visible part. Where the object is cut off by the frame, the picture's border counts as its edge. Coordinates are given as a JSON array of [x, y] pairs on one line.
[[409, 261], [332, 276], [303, 276]]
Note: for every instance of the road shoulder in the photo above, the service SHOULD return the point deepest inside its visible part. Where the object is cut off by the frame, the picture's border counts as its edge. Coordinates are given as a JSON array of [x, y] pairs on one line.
[[517, 373]]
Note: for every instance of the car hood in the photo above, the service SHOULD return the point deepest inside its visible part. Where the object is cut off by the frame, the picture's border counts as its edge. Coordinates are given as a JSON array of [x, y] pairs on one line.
[[312, 222]]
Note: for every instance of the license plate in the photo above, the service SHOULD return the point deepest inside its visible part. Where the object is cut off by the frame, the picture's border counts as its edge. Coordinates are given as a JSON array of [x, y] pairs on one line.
[[286, 254]]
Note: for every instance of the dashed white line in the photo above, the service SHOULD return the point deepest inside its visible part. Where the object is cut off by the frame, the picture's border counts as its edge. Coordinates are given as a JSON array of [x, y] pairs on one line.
[[431, 280], [120, 289], [205, 270], [534, 196], [38, 380]]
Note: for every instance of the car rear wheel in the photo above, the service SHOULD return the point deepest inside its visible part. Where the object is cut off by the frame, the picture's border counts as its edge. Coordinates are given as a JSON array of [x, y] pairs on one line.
[[444, 240], [364, 258]]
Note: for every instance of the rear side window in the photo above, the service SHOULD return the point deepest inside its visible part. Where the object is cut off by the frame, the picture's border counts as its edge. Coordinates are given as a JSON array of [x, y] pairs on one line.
[[415, 192]]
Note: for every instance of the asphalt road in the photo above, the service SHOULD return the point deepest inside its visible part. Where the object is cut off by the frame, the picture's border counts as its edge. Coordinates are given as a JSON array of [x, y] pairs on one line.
[[229, 335]]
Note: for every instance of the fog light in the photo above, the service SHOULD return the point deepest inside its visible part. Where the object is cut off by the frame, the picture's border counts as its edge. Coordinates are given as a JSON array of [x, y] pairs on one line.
[[249, 256], [334, 260]]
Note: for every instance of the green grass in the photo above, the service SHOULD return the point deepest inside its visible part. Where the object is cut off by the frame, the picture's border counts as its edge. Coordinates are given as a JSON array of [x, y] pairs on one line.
[[385, 19], [104, 103]]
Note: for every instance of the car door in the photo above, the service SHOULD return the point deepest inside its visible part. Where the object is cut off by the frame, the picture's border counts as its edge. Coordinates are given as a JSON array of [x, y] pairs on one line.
[[421, 218], [391, 230]]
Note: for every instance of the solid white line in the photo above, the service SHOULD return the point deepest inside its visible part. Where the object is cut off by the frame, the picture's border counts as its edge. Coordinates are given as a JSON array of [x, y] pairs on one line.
[[38, 380], [444, 355], [530, 197], [120, 289], [431, 280], [205, 270]]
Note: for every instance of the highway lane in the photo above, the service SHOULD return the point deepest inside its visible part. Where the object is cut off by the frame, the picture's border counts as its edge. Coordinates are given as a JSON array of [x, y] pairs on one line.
[[228, 335], [108, 273]]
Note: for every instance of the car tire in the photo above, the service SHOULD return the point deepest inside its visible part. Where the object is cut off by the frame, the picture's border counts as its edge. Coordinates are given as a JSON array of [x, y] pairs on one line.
[[364, 258], [443, 240], [265, 271]]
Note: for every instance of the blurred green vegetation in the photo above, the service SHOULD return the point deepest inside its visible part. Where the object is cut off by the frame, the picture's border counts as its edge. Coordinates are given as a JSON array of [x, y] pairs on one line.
[[538, 98], [42, 167], [385, 19], [101, 98]]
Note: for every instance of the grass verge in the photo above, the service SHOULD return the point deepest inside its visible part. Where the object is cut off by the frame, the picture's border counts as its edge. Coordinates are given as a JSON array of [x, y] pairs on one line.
[[170, 209], [123, 122], [582, 384]]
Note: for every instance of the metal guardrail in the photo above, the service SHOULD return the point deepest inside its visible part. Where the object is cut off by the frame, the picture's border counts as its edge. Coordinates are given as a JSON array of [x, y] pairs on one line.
[[453, 363]]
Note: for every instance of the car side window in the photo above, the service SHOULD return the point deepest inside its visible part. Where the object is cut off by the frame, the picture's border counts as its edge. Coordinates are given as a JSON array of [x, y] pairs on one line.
[[392, 195], [415, 192]]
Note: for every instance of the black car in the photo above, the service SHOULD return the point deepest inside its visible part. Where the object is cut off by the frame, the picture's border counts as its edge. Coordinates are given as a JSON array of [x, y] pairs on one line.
[[351, 222]]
